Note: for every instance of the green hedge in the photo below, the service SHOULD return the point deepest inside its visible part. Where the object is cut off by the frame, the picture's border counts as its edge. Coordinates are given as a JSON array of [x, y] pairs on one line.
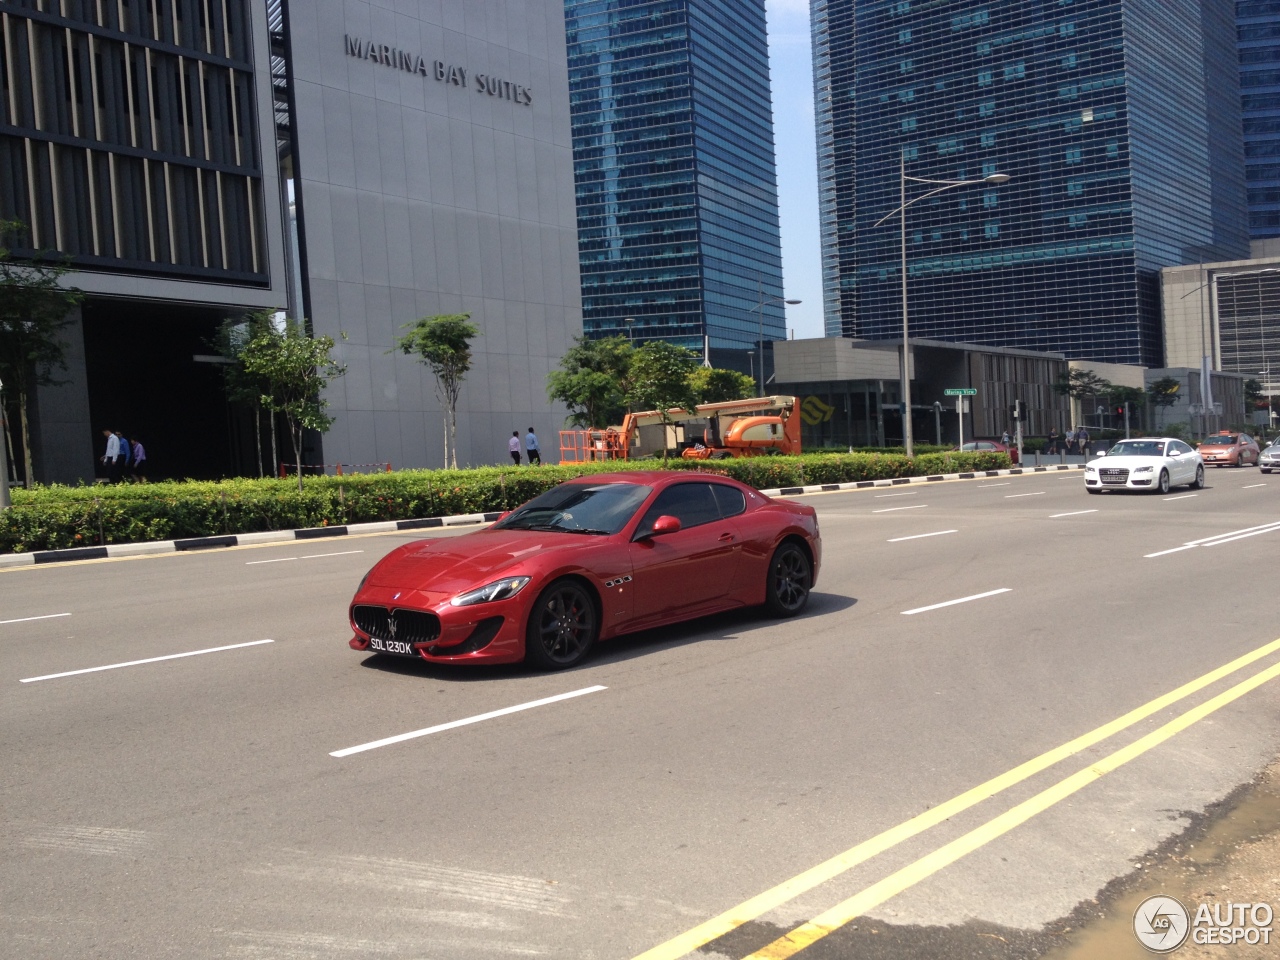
[[51, 518]]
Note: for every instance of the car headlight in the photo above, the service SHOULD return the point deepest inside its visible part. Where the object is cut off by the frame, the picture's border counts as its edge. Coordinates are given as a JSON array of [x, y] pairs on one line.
[[503, 589], [1143, 469], [1090, 469]]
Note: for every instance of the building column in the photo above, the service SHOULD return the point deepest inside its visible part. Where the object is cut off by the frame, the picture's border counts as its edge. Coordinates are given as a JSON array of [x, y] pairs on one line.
[[61, 431]]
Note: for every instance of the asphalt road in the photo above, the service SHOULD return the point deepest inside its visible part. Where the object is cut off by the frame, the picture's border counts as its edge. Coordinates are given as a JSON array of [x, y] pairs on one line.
[[191, 807]]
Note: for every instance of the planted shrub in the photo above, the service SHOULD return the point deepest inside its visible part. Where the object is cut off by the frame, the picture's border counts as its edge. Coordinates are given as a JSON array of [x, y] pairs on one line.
[[55, 517]]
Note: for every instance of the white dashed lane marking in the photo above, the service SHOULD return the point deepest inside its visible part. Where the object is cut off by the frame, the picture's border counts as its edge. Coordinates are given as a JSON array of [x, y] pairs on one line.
[[135, 663], [47, 616]]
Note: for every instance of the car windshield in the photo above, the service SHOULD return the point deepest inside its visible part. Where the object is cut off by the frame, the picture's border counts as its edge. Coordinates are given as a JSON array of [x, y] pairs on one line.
[[579, 508], [1137, 448], [1223, 440]]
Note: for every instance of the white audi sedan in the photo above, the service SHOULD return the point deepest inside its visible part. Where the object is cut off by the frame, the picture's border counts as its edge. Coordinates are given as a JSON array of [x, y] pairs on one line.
[[1145, 464]]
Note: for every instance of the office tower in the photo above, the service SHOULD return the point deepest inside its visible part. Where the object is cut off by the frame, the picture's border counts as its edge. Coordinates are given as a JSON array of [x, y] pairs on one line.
[[1116, 120], [674, 168], [1259, 47]]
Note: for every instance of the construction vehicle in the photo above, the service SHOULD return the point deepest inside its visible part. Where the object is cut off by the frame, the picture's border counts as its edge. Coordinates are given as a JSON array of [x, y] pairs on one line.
[[711, 431]]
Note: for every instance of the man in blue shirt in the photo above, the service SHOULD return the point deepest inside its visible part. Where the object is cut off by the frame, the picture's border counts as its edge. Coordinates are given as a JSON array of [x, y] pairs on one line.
[[531, 448]]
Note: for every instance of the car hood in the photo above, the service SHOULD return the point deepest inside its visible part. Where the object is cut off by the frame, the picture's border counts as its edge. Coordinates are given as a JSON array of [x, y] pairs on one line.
[[472, 560], [1216, 447]]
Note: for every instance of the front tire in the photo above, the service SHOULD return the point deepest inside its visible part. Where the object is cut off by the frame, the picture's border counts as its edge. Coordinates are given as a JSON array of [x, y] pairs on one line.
[[1198, 483], [1164, 481], [562, 627], [789, 580]]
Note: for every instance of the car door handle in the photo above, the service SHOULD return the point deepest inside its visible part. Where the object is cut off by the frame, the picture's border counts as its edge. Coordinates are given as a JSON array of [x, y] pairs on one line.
[[726, 538]]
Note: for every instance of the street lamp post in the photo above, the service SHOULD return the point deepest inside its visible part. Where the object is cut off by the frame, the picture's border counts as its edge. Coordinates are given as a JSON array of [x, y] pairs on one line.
[[759, 310], [939, 186]]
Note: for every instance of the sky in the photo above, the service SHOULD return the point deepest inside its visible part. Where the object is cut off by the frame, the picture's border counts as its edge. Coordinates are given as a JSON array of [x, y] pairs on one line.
[[791, 69]]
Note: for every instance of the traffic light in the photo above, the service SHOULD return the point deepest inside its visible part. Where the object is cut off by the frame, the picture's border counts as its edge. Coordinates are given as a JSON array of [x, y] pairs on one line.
[[1119, 410]]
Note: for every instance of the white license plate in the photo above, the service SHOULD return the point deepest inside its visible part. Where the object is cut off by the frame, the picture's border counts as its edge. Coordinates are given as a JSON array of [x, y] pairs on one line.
[[398, 647]]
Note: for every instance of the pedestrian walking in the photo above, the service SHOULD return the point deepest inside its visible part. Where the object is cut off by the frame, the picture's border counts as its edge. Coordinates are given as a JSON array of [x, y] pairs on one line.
[[532, 449], [513, 445], [1053, 440], [126, 455], [1004, 438], [112, 455], [139, 458]]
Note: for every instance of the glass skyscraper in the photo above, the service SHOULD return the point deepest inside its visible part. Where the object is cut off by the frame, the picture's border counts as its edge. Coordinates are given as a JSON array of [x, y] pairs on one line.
[[674, 169], [1259, 37], [1117, 120]]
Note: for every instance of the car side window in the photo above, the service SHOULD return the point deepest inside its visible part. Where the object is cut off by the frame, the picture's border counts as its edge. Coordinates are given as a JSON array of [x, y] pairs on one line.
[[730, 500], [693, 504], [1180, 447]]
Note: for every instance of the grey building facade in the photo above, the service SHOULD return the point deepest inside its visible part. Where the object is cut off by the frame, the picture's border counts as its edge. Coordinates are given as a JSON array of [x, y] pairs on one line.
[[435, 175], [359, 164]]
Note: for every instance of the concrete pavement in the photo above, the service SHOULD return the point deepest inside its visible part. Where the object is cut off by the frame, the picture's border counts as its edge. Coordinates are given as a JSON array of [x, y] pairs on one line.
[[190, 807]]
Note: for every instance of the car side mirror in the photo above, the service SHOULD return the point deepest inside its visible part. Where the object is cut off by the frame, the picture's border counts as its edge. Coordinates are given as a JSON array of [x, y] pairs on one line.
[[665, 524]]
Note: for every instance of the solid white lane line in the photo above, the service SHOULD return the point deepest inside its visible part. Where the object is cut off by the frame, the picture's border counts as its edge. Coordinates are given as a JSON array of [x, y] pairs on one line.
[[47, 616], [1189, 546], [914, 506], [1073, 513], [454, 724], [1231, 533], [134, 663], [1256, 533], [952, 603], [920, 536], [1253, 485], [912, 493], [983, 486], [250, 563], [1184, 496], [1012, 496], [1219, 538]]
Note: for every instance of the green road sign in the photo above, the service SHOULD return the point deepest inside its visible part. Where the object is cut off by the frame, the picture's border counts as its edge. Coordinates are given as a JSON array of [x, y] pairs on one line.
[[960, 392]]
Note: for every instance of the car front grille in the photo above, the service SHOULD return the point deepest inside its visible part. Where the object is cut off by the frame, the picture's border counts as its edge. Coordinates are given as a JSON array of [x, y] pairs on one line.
[[1114, 474], [407, 626]]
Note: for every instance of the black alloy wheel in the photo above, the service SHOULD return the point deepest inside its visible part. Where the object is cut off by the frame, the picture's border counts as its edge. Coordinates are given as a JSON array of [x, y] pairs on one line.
[[562, 626], [1164, 481], [790, 577], [1199, 484]]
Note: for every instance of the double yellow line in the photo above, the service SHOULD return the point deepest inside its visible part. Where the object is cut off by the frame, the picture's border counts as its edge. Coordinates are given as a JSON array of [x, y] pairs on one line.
[[878, 893]]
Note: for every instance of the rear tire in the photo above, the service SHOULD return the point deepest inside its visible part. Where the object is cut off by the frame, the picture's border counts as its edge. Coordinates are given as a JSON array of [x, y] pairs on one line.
[[1164, 481], [562, 627], [788, 581], [1198, 483]]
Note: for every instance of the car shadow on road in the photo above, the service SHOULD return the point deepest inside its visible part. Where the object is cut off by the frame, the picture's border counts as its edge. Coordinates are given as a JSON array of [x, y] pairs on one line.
[[717, 627]]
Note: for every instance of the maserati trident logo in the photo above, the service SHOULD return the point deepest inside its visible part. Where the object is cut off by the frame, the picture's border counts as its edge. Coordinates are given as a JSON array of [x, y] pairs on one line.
[[391, 627]]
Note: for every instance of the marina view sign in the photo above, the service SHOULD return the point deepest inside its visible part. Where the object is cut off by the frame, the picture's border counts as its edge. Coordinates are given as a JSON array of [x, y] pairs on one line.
[[394, 57]]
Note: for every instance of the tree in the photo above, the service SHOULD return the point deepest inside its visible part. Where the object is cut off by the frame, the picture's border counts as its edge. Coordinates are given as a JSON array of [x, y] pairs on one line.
[[1254, 399], [233, 335], [593, 380], [443, 343], [1162, 394], [33, 312], [660, 379], [1083, 385], [293, 368], [713, 385]]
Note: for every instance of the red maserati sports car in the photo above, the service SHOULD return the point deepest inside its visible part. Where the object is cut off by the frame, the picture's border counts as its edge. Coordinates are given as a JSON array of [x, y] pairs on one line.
[[585, 561]]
